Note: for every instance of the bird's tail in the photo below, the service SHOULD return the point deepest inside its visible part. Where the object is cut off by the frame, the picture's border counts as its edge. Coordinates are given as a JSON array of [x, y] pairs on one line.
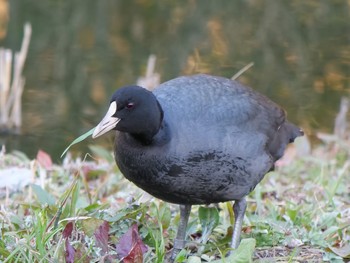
[[286, 134]]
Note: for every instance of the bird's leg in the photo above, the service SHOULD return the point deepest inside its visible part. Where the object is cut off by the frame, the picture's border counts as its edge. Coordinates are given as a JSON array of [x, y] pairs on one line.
[[179, 242], [239, 209]]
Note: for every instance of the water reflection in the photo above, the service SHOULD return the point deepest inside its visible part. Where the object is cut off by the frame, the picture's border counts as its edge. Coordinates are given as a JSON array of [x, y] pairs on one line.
[[82, 50]]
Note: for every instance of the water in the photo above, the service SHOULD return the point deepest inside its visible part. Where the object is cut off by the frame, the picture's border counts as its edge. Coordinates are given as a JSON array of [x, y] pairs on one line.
[[82, 50]]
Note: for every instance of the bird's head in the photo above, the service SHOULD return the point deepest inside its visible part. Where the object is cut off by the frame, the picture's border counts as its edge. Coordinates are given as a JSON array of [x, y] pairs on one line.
[[134, 110]]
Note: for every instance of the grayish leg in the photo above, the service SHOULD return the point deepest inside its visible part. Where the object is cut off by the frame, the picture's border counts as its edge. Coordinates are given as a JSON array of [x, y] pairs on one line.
[[239, 209], [179, 242]]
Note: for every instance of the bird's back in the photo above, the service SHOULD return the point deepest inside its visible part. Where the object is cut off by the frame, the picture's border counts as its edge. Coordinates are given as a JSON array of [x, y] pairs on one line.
[[206, 108]]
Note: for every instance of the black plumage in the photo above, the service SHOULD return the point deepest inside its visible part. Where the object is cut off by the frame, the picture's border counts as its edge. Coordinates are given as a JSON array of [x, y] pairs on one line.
[[197, 140]]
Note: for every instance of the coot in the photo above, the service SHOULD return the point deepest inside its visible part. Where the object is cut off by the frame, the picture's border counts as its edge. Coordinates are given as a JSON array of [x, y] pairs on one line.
[[197, 140]]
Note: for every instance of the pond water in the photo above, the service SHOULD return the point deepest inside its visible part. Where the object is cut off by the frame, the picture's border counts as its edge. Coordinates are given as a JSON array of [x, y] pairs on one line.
[[82, 50]]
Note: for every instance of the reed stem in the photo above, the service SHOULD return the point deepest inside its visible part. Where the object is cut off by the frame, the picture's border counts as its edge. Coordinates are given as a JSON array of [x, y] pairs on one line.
[[12, 84]]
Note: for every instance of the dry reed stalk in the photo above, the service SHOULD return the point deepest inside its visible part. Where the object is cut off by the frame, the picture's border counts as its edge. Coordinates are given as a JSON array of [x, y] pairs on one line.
[[241, 71], [152, 79], [5, 79], [341, 121], [11, 91]]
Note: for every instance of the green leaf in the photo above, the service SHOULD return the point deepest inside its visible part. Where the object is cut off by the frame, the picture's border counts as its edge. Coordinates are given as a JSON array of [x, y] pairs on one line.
[[16, 220], [79, 139], [330, 231], [21, 156], [93, 207], [4, 252], [90, 225], [181, 257], [75, 196], [292, 213], [209, 219], [243, 254], [44, 197], [102, 152], [164, 214]]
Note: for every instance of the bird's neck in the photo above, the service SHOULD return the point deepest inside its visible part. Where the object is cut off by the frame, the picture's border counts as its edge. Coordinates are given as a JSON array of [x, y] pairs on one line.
[[158, 137], [143, 138]]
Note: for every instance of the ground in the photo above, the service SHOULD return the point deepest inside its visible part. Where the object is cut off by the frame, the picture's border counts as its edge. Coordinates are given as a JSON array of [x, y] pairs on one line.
[[85, 211]]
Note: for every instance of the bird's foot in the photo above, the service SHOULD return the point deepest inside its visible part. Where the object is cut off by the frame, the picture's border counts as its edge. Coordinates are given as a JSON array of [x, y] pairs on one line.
[[178, 245]]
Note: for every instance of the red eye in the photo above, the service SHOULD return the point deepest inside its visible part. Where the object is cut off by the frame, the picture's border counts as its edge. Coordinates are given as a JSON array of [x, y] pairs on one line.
[[130, 105]]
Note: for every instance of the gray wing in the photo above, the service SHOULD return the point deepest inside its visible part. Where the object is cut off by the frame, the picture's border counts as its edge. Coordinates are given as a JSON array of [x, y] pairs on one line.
[[222, 102]]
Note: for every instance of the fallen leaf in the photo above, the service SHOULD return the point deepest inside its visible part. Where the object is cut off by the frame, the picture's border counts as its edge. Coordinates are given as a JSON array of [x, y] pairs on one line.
[[344, 251], [81, 254], [101, 236], [67, 231], [130, 245], [70, 252], [135, 255], [44, 159]]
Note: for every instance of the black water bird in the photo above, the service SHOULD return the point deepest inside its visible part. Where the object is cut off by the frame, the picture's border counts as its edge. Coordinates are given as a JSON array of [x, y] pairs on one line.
[[197, 140]]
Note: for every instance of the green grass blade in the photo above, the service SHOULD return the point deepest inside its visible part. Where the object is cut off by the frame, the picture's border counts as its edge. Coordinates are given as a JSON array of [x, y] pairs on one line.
[[209, 219], [79, 139], [43, 196]]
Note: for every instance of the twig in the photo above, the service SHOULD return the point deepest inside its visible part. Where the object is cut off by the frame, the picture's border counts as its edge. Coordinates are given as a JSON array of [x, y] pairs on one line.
[[244, 69]]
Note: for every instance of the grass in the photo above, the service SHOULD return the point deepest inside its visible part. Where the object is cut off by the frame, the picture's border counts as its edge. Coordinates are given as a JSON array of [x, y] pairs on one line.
[[81, 211]]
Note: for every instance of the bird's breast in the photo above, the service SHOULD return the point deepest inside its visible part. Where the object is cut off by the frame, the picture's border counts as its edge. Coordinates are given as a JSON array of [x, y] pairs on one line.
[[194, 177]]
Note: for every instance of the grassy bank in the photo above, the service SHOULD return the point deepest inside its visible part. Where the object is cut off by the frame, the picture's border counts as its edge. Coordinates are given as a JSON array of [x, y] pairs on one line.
[[85, 211]]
